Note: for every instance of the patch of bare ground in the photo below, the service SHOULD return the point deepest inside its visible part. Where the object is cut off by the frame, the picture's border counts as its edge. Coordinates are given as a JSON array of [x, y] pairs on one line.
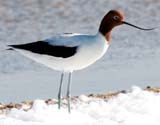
[[26, 105]]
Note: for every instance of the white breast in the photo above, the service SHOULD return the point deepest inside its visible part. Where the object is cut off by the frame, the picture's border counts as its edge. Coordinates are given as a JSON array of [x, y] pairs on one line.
[[91, 52]]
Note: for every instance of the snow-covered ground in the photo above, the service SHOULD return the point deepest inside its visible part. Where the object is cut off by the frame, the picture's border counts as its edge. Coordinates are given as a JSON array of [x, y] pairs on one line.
[[137, 107]]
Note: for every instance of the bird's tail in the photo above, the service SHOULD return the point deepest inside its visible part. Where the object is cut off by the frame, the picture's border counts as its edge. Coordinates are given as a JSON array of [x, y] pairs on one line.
[[10, 47]]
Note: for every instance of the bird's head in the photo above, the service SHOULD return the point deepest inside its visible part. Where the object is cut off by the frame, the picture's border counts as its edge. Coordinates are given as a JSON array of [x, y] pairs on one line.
[[112, 19]]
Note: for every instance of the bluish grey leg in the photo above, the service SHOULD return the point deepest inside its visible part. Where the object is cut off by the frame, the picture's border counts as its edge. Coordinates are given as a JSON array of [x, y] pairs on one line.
[[68, 92], [59, 92]]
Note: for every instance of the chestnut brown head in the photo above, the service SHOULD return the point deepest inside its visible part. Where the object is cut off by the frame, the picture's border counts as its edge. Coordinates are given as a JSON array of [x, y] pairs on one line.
[[111, 19]]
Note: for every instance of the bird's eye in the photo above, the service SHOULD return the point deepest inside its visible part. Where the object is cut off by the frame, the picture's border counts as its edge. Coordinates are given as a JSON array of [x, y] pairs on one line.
[[115, 17]]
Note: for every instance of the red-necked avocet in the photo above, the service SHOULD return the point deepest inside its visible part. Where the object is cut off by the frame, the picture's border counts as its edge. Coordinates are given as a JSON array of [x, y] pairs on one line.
[[69, 52]]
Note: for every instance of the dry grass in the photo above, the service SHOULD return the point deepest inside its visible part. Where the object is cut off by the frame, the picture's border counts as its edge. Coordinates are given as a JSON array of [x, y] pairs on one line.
[[28, 104]]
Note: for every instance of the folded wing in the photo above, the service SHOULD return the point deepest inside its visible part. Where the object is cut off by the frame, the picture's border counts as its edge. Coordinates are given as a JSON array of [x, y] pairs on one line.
[[43, 47]]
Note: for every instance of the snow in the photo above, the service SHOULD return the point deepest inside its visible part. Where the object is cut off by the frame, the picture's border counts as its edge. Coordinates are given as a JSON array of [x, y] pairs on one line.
[[137, 107]]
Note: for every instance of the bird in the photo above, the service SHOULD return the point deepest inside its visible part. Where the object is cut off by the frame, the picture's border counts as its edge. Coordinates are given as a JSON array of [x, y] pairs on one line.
[[70, 52]]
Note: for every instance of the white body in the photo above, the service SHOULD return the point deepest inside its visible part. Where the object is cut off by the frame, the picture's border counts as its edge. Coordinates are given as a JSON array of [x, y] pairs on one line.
[[90, 49]]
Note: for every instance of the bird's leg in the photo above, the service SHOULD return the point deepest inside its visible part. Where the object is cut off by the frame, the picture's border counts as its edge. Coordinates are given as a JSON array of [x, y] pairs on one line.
[[59, 92], [68, 92]]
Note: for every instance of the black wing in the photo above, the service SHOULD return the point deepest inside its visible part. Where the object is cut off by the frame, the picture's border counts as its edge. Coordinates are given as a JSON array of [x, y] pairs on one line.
[[42, 47]]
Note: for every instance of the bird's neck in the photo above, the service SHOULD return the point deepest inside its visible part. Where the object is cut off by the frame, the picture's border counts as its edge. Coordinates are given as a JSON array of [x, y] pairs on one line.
[[105, 29], [108, 36]]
